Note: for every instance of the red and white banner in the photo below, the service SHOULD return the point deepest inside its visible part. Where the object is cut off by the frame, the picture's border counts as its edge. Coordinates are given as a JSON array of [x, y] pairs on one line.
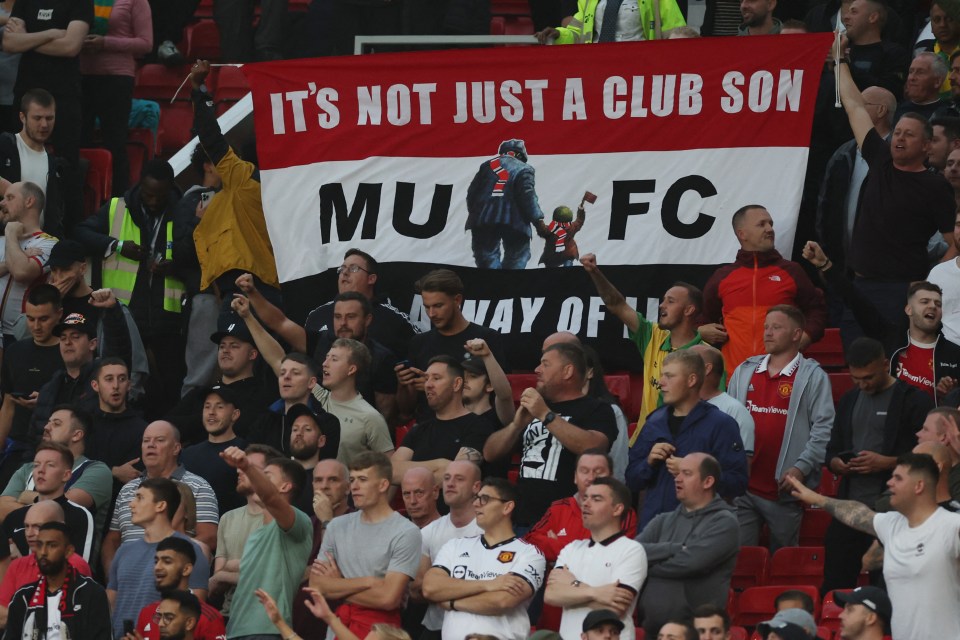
[[672, 137]]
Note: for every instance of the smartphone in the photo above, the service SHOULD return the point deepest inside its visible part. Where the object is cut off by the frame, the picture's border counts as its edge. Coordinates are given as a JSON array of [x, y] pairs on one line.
[[20, 394], [205, 199], [847, 456], [405, 363], [127, 627]]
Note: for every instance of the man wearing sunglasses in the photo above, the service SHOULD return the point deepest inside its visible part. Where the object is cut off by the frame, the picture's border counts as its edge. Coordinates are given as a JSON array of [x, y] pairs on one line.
[[484, 583]]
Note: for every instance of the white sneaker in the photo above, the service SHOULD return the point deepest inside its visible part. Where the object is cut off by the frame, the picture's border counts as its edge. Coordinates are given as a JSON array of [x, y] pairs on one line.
[[168, 53]]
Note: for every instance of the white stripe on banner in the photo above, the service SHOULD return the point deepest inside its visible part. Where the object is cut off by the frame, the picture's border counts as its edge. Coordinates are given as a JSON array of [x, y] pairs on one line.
[[644, 200]]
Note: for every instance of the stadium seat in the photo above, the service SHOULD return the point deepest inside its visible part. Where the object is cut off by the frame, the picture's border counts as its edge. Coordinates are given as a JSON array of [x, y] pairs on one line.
[[756, 604], [231, 87], [619, 385], [99, 179], [830, 613], [738, 633], [519, 382], [160, 82], [840, 383], [402, 432], [549, 615], [146, 139], [518, 26], [828, 351], [797, 565], [176, 121], [497, 25], [204, 9], [136, 157], [509, 8], [202, 41], [829, 483], [813, 527], [751, 568]]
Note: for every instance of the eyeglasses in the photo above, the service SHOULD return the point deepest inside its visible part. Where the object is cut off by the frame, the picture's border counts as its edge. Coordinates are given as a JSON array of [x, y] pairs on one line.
[[485, 498], [353, 268], [165, 618]]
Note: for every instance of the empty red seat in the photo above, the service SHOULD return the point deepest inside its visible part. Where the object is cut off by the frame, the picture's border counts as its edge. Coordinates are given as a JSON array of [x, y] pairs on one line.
[[813, 527], [202, 41], [519, 382], [828, 351], [830, 613], [232, 84], [98, 183], [160, 82], [840, 383], [829, 483], [176, 121], [756, 604], [738, 633], [751, 568], [797, 565], [518, 26], [619, 385]]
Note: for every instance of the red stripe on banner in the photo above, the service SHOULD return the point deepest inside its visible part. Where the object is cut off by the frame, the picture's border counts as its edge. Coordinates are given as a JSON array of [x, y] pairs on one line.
[[704, 93]]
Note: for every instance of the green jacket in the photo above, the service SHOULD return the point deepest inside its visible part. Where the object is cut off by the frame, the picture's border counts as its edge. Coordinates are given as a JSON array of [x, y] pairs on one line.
[[580, 29]]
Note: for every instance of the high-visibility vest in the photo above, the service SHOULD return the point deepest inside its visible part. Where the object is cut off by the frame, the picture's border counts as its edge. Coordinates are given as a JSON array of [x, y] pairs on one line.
[[120, 273]]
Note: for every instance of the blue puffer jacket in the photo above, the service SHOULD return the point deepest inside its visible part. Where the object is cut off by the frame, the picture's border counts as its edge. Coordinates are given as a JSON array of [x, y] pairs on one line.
[[705, 429]]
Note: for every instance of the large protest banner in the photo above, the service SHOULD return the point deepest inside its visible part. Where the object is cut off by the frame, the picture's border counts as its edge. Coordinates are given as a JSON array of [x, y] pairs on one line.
[[399, 155]]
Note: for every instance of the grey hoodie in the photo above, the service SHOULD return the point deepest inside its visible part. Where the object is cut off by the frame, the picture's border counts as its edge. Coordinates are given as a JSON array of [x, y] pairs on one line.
[[691, 556]]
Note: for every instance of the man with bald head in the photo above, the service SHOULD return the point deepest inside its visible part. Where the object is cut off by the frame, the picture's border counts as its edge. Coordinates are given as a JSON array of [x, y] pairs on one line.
[[24, 569], [420, 492], [160, 450], [710, 391], [840, 190], [691, 550], [461, 481]]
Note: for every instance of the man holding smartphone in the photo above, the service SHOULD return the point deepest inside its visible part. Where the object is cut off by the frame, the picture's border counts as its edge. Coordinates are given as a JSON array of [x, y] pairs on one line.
[[876, 422]]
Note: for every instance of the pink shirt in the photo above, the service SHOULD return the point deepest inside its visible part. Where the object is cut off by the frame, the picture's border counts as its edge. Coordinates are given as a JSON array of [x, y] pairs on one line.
[[129, 36]]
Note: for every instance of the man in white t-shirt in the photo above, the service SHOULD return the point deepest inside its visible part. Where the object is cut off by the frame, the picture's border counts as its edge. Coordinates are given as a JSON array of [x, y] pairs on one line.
[[485, 583], [362, 427], [607, 571], [461, 481], [947, 276], [24, 252], [921, 542]]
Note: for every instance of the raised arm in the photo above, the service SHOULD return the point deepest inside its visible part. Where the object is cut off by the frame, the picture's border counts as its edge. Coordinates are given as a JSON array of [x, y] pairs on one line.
[[614, 300], [502, 392], [850, 512], [269, 348], [271, 316], [852, 100], [272, 500]]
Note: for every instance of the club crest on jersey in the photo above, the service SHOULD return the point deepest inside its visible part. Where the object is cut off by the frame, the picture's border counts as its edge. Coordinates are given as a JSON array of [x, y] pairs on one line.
[[506, 556], [785, 389]]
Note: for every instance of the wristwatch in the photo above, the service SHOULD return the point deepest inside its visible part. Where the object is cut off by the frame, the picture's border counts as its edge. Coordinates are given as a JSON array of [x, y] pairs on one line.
[[575, 583], [550, 417]]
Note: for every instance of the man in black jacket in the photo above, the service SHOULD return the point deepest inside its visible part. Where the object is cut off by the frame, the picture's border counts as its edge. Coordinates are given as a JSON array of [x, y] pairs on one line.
[[82, 604], [876, 422]]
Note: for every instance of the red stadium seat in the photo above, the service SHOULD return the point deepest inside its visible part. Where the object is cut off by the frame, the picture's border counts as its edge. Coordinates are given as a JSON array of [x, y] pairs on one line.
[[202, 41], [830, 613], [518, 26], [797, 565], [497, 26], [840, 383], [829, 483], [828, 351], [160, 82], [813, 527], [204, 9], [519, 382], [232, 85], [99, 179], [738, 633], [402, 432], [509, 8], [145, 138], [550, 615], [176, 121], [136, 157], [619, 385], [756, 604], [751, 569]]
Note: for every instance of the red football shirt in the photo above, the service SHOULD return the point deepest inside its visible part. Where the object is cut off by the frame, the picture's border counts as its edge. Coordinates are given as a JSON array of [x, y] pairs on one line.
[[210, 626], [915, 367], [768, 399]]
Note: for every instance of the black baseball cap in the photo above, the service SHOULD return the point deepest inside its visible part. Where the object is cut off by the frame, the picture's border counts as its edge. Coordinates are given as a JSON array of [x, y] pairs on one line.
[[79, 322], [474, 366], [873, 598], [232, 326], [226, 394], [601, 616], [301, 409], [65, 253]]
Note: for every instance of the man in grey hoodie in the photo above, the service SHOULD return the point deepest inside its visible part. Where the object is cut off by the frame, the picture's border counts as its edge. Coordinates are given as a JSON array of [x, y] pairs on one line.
[[691, 550]]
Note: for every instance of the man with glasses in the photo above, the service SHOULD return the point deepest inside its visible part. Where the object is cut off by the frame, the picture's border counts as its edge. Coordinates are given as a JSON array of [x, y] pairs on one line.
[[390, 327], [460, 580]]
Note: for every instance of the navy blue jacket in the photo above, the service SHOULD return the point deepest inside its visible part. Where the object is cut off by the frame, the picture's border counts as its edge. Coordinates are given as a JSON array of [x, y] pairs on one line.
[[515, 205], [706, 429]]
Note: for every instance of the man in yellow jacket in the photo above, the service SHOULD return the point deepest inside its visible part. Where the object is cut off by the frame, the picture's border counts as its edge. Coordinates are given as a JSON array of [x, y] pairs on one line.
[[616, 21]]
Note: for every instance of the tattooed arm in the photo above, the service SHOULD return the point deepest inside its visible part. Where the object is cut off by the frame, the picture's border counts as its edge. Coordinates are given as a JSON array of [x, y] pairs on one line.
[[850, 512]]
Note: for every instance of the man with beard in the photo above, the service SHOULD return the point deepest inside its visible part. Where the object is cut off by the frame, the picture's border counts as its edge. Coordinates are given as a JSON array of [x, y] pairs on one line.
[[235, 527], [557, 422], [173, 563], [454, 433], [676, 327], [62, 603], [758, 18], [307, 441], [178, 617], [220, 414]]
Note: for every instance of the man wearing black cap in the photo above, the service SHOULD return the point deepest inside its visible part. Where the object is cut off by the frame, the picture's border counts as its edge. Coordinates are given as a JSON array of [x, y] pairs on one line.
[[308, 446], [78, 344], [789, 624], [601, 624], [866, 613], [236, 359], [220, 414]]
